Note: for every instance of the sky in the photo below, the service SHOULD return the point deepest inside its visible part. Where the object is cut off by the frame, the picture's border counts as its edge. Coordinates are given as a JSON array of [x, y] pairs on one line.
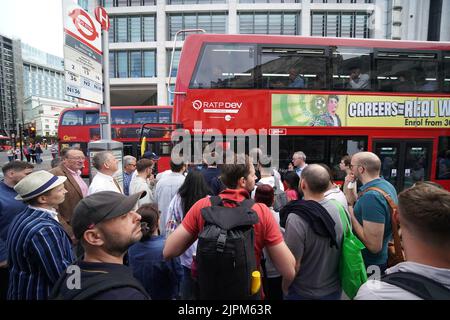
[[37, 23]]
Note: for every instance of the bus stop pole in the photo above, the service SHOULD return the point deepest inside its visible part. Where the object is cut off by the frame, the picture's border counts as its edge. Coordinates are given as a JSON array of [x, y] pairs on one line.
[[105, 128]]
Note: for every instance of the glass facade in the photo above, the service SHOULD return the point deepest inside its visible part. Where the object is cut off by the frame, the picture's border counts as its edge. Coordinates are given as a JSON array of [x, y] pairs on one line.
[[43, 82], [132, 28], [195, 1], [127, 3], [341, 1], [211, 22], [132, 64], [340, 24], [286, 23]]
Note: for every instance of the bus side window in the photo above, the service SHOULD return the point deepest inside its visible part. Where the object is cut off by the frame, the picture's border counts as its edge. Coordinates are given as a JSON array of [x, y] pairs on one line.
[[407, 71], [351, 68], [446, 86]]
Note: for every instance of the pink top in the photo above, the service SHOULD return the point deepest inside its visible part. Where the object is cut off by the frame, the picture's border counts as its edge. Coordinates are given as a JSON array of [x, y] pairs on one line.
[[291, 194], [77, 176]]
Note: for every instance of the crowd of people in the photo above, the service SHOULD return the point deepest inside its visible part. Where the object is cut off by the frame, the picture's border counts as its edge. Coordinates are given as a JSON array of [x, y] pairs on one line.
[[149, 238]]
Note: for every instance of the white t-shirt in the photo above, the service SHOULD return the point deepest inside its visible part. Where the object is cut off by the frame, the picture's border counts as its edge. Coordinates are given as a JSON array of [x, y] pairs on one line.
[[379, 290]]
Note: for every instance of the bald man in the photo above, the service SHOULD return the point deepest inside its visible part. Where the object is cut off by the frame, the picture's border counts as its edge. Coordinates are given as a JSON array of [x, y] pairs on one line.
[[313, 234], [371, 217]]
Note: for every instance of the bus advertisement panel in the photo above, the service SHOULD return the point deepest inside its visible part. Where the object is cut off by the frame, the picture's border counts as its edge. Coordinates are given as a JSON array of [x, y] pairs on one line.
[[360, 111]]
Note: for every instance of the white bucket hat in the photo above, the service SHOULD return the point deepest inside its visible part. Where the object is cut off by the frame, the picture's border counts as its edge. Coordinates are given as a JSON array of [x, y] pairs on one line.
[[36, 184]]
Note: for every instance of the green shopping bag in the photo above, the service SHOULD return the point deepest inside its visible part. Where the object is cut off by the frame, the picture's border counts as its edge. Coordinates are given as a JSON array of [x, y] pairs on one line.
[[352, 270]]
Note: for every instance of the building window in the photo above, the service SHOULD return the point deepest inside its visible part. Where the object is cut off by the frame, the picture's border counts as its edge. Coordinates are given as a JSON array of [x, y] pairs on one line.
[[122, 30], [133, 64], [149, 64], [269, 23], [135, 29], [341, 1], [340, 24], [269, 1], [122, 64], [112, 64], [132, 29], [176, 61], [195, 1], [210, 22], [127, 3], [149, 28]]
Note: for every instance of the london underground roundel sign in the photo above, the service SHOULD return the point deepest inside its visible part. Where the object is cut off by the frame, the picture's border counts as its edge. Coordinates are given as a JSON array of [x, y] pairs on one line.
[[84, 24]]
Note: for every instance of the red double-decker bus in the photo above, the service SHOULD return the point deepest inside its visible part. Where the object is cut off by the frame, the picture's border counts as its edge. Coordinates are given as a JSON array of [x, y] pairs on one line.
[[327, 97], [79, 126]]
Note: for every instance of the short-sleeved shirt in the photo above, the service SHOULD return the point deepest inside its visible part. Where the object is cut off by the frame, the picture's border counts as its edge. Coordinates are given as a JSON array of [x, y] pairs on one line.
[[373, 207], [267, 232], [319, 263]]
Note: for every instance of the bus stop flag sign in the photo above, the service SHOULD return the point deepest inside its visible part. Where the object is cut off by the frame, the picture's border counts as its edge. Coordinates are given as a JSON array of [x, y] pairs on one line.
[[82, 53]]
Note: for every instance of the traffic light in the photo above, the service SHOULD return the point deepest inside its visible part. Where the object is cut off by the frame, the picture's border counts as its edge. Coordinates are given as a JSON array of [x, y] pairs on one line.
[[25, 132], [32, 132]]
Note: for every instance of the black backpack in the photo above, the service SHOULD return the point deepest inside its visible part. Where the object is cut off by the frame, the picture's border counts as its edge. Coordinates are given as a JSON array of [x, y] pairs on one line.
[[418, 285], [225, 251]]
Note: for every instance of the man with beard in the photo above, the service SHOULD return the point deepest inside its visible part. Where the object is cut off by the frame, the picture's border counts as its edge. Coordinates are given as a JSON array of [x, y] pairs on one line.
[[370, 214], [106, 224]]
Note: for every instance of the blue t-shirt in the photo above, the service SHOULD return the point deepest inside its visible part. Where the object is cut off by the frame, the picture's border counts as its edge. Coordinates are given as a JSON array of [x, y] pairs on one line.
[[9, 208], [373, 207]]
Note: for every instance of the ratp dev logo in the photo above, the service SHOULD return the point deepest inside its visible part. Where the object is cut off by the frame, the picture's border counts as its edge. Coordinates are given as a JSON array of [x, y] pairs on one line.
[[197, 104]]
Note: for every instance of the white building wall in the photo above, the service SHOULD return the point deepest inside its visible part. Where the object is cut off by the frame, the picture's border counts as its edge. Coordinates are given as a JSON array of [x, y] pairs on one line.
[[43, 112]]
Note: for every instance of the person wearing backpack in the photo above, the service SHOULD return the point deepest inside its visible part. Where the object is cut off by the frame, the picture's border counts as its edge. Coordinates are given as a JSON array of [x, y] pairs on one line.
[[224, 271], [106, 225], [424, 215], [314, 234]]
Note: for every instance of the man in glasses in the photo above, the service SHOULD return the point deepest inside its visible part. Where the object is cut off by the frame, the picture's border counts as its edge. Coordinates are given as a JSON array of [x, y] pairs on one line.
[[129, 167], [371, 216], [70, 167], [106, 225]]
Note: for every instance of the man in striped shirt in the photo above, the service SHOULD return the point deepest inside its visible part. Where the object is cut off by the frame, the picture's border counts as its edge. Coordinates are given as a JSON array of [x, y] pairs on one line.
[[39, 250]]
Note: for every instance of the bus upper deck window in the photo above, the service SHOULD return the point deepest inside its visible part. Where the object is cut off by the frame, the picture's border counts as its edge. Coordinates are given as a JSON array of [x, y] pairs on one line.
[[225, 66], [73, 118], [407, 71], [446, 84], [352, 68]]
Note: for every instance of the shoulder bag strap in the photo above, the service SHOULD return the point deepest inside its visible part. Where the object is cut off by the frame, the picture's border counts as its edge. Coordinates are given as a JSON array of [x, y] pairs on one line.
[[393, 207]]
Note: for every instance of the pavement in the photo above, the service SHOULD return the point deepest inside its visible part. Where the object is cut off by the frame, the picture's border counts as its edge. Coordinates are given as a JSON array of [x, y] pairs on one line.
[[44, 165]]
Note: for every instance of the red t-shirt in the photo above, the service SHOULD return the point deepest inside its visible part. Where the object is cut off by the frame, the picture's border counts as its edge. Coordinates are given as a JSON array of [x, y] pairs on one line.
[[267, 231]]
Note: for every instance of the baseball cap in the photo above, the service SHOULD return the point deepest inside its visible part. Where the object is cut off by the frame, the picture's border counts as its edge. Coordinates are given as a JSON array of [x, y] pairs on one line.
[[101, 206], [150, 155]]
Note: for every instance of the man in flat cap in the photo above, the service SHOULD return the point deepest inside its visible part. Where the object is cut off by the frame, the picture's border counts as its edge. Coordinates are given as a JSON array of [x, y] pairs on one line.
[[106, 224], [39, 250]]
